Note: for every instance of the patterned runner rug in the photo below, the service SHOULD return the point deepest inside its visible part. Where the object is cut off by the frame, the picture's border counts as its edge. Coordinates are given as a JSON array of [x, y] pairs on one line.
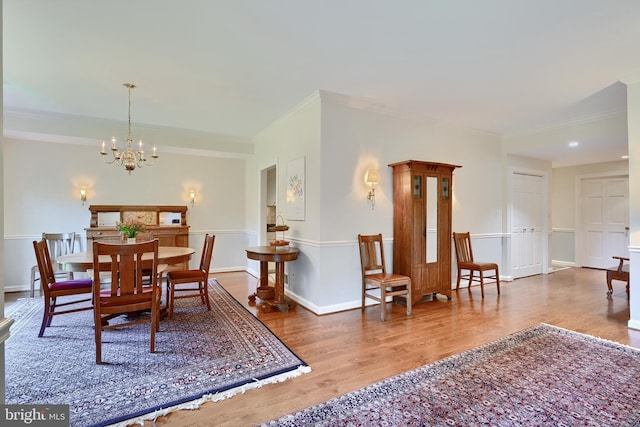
[[541, 376], [200, 356]]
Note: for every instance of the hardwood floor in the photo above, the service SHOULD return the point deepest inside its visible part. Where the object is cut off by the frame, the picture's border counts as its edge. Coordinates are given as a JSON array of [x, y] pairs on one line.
[[352, 349]]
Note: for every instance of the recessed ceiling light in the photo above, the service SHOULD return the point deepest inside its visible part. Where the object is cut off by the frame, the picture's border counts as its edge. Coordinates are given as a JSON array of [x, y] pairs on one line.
[[574, 144], [625, 156]]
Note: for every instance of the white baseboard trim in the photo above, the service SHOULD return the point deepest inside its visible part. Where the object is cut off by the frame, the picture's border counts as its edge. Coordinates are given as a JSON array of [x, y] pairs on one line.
[[633, 324]]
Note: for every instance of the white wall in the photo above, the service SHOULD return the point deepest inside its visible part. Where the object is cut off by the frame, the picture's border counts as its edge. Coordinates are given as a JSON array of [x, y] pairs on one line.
[[633, 111], [294, 135], [42, 182], [340, 140]]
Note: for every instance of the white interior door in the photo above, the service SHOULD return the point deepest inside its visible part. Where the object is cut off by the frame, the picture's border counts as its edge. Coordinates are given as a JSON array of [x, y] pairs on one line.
[[605, 220], [526, 225]]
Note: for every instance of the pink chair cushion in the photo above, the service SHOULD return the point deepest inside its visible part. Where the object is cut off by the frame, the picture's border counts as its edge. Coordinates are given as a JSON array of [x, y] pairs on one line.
[[71, 284]]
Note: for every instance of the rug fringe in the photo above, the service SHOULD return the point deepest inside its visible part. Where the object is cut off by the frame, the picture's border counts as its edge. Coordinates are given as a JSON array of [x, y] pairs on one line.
[[216, 397]]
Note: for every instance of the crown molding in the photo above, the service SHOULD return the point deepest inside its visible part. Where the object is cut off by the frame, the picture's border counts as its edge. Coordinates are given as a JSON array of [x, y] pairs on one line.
[[581, 121], [92, 142]]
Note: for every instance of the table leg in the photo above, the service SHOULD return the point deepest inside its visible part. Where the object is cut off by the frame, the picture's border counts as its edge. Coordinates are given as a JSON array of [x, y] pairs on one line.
[[264, 273], [264, 278], [279, 291]]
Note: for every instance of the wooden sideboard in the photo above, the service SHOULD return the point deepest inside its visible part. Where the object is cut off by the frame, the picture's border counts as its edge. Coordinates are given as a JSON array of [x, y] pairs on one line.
[[167, 223]]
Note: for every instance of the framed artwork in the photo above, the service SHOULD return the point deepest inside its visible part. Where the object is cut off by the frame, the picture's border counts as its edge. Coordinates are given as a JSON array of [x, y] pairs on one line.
[[295, 189]]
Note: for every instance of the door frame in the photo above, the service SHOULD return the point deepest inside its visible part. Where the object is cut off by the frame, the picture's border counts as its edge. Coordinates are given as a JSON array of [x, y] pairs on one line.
[[578, 248], [544, 174], [262, 222]]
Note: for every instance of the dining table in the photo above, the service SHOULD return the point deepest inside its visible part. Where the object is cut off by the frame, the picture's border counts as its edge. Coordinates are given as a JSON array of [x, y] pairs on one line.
[[83, 261]]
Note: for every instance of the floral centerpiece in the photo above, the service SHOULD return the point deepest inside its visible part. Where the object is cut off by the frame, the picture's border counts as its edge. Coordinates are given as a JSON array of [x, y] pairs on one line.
[[130, 228]]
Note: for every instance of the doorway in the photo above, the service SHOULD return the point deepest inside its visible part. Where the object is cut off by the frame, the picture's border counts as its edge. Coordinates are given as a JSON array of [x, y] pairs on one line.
[[269, 207], [604, 216], [527, 223]]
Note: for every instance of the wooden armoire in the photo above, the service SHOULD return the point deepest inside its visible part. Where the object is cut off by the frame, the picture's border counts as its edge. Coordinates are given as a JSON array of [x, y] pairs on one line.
[[422, 225]]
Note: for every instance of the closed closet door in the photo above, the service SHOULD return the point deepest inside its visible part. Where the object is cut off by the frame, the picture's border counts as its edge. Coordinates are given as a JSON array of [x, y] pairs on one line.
[[526, 225], [605, 220]]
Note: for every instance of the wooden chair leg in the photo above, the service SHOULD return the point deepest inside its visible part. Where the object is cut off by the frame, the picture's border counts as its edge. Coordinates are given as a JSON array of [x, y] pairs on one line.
[[201, 291], [152, 326], [458, 281], [481, 283], [205, 289], [98, 338], [45, 318], [383, 302], [171, 296], [498, 281], [33, 280], [409, 302], [52, 308], [609, 285]]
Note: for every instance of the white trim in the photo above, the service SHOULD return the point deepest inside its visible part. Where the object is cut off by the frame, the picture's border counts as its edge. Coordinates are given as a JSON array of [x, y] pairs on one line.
[[568, 123], [92, 142]]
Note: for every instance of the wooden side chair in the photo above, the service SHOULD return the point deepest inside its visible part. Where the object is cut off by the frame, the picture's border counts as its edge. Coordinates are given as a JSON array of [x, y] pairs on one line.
[[147, 236], [52, 289], [192, 283], [619, 272], [375, 276], [124, 289], [59, 244], [465, 261], [144, 236]]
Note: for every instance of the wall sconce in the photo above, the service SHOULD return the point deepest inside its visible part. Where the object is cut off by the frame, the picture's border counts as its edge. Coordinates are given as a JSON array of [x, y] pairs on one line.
[[371, 178], [192, 197], [83, 196]]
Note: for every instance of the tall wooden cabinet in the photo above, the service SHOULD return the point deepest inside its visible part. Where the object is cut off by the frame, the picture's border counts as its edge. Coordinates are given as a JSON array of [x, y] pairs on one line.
[[422, 225]]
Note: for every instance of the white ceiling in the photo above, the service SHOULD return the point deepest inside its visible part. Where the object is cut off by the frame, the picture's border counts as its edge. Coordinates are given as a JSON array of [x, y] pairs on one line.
[[232, 67]]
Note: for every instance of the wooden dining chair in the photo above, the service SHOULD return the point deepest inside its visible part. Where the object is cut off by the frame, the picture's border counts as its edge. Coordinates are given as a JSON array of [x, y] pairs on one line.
[[59, 244], [192, 283], [144, 236], [124, 290], [375, 276], [147, 236], [464, 258], [52, 289]]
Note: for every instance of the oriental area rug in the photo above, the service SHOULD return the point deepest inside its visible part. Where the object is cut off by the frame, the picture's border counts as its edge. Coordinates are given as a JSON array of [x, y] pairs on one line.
[[200, 355], [542, 376]]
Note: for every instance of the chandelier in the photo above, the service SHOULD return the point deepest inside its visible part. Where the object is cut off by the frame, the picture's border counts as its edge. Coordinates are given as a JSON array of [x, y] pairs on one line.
[[128, 159]]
